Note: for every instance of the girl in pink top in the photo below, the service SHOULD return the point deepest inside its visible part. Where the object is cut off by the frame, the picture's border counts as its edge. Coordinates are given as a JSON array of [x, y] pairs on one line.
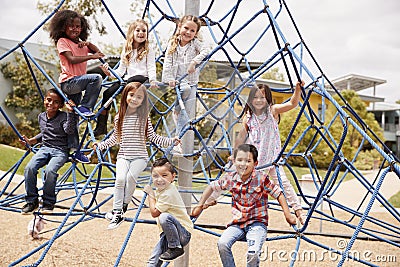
[[70, 30], [260, 128]]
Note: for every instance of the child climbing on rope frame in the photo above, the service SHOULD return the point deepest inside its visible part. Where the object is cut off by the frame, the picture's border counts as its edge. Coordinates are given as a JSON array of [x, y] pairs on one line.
[[168, 207], [137, 64], [132, 127], [250, 189], [184, 52], [70, 30], [55, 126], [260, 128]]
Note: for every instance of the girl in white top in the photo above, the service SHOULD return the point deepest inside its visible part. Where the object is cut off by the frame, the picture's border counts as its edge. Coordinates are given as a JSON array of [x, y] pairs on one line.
[[137, 65], [184, 51], [132, 127], [260, 128]]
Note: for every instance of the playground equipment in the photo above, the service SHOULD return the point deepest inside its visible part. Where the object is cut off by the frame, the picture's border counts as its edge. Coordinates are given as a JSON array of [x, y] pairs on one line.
[[219, 110]]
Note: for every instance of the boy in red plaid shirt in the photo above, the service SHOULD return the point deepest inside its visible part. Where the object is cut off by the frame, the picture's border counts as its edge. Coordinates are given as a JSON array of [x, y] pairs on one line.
[[250, 189]]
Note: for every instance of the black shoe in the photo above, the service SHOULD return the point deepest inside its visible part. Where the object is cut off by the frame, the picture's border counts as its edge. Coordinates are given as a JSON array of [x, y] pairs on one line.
[[29, 208], [116, 220], [101, 126], [171, 254], [47, 208], [124, 207]]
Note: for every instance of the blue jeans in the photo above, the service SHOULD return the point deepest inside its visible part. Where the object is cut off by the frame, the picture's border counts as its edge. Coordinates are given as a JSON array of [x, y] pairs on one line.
[[91, 83], [173, 235], [188, 95], [55, 159], [255, 235]]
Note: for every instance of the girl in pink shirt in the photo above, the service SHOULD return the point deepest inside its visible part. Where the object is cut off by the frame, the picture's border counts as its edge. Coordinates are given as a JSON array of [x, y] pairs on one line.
[[70, 30]]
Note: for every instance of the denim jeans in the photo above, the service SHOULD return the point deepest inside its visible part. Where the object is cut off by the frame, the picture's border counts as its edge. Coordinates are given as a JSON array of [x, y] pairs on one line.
[[173, 235], [255, 235], [125, 180], [55, 159], [188, 95], [90, 83]]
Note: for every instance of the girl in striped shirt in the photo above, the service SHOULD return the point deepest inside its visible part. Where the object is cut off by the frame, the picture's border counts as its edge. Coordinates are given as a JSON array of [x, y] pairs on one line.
[[132, 126]]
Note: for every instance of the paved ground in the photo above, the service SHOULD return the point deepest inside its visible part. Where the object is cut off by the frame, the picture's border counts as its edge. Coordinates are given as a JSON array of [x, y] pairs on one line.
[[352, 192]]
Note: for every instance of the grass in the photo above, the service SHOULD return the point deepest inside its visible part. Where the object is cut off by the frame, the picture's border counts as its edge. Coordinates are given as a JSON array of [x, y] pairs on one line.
[[299, 171], [9, 156], [395, 200]]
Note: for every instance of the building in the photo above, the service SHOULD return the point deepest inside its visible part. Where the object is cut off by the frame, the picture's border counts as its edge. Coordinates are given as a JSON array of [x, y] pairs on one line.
[[43, 54], [387, 114]]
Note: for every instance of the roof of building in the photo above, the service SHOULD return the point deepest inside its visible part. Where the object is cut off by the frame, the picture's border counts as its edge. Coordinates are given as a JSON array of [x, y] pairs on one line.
[[38, 51], [382, 106], [356, 82]]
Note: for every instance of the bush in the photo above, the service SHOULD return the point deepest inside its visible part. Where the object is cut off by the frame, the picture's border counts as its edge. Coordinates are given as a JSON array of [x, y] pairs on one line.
[[9, 137], [368, 160]]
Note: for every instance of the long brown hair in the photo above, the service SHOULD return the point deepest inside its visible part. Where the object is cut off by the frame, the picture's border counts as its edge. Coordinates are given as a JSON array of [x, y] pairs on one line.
[[142, 110], [143, 48], [174, 41], [249, 108]]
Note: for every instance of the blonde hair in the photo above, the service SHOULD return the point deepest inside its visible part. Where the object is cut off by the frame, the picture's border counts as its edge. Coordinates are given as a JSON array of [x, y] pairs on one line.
[[142, 49], [174, 41]]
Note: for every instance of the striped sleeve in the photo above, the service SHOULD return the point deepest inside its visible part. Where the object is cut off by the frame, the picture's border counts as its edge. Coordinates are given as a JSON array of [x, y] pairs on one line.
[[155, 138], [112, 140]]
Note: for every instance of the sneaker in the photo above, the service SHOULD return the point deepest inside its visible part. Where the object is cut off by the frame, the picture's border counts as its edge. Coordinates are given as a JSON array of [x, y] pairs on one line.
[[85, 111], [109, 215], [29, 208], [80, 157], [116, 220], [172, 254], [47, 208]]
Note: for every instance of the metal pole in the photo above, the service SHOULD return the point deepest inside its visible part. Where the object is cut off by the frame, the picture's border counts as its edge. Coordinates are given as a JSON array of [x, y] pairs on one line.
[[185, 165]]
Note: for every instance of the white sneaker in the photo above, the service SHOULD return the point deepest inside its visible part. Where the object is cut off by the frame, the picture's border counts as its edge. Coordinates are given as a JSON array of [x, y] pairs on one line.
[[109, 215], [116, 220]]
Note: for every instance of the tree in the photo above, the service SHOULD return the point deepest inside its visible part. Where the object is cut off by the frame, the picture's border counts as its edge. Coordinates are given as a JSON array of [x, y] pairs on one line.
[[25, 96], [88, 8], [273, 74], [323, 154]]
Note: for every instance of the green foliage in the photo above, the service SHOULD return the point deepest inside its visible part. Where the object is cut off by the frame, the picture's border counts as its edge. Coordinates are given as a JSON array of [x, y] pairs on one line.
[[24, 96], [367, 160], [323, 153], [395, 200], [23, 99], [273, 74], [88, 8]]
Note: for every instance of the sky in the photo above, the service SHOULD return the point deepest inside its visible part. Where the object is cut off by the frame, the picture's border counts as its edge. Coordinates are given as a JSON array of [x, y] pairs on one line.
[[346, 37]]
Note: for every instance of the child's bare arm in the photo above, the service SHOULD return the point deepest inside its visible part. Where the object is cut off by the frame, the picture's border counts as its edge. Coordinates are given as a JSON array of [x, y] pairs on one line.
[[200, 206], [290, 218], [241, 138], [152, 201], [291, 104]]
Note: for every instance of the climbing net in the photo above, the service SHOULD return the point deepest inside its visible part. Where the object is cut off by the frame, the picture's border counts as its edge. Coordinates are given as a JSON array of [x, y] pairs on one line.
[[217, 119]]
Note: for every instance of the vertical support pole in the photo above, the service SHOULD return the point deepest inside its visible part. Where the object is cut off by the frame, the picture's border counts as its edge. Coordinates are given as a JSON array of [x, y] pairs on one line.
[[185, 165]]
